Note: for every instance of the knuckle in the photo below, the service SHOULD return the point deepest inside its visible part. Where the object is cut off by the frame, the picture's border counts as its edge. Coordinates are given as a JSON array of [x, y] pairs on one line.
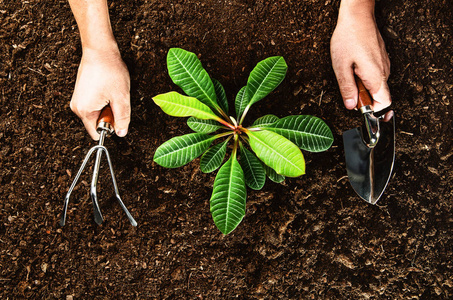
[[347, 90], [123, 119], [72, 106], [122, 95], [77, 108]]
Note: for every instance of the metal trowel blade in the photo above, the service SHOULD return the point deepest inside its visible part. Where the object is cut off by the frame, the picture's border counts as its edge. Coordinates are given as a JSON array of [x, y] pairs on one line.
[[369, 169]]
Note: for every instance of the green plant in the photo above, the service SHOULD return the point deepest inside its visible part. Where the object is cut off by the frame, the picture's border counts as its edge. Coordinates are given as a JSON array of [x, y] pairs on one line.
[[275, 143]]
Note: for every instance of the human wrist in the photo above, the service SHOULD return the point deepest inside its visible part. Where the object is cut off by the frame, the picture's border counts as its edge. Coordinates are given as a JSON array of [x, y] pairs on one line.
[[105, 47], [355, 8], [98, 37]]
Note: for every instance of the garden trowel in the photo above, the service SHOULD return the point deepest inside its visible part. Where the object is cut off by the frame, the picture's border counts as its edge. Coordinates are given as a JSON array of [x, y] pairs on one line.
[[370, 150]]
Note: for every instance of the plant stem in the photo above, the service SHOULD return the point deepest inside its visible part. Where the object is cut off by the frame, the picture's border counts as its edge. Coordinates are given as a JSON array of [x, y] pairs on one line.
[[235, 146], [245, 139], [227, 124], [253, 129], [217, 136], [244, 113], [223, 113], [235, 123]]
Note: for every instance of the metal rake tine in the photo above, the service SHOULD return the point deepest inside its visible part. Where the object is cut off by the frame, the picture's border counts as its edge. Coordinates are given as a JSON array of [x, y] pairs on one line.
[[115, 188], [74, 182]]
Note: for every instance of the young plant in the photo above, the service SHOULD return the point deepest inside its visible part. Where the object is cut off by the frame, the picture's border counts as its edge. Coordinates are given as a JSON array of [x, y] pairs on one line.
[[270, 147]]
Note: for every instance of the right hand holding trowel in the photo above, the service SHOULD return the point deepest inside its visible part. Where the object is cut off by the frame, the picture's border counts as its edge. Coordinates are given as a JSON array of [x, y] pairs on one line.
[[357, 49]]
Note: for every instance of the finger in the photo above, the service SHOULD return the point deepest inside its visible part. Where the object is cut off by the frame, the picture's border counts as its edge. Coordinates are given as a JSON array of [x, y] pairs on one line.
[[382, 98], [89, 119], [122, 115], [374, 77], [388, 116], [379, 91], [91, 129], [90, 122], [348, 87]]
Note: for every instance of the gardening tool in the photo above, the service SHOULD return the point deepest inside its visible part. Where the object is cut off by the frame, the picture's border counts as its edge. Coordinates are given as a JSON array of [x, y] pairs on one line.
[[370, 149], [104, 128]]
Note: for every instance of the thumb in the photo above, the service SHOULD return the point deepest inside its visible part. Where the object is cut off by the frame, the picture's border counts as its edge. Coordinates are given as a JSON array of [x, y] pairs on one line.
[[121, 110]]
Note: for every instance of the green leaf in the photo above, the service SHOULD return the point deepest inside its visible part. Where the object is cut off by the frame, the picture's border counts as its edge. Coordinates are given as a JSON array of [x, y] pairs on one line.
[[265, 77], [241, 102], [307, 132], [181, 150], [228, 196], [265, 121], [254, 173], [203, 126], [273, 175], [277, 152], [177, 105], [221, 95], [186, 71], [213, 157]]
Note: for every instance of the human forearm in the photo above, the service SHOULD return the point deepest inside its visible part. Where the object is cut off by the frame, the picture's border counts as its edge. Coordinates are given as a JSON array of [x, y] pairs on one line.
[[93, 20]]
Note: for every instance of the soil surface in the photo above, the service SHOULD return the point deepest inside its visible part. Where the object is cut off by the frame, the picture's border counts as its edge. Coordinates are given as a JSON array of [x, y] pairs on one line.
[[308, 238]]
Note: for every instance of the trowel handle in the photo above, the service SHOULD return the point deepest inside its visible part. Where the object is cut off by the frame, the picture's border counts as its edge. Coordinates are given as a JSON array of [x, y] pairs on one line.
[[364, 96], [371, 122], [105, 120]]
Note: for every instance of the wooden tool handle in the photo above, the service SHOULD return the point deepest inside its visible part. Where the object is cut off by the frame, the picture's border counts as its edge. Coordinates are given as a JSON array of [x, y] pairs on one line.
[[105, 121], [106, 116], [364, 96]]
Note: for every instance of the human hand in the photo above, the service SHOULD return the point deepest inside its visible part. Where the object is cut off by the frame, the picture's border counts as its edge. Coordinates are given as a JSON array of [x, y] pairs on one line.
[[357, 49], [102, 79]]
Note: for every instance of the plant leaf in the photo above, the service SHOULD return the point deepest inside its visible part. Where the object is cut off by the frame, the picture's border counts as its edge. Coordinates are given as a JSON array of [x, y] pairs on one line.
[[177, 105], [228, 196], [213, 157], [273, 175], [265, 77], [221, 95], [265, 121], [186, 71], [203, 126], [254, 173], [307, 132], [241, 102], [180, 150], [277, 152]]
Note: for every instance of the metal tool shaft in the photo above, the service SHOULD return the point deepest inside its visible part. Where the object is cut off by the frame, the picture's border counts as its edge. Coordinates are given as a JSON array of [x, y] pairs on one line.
[[97, 212]]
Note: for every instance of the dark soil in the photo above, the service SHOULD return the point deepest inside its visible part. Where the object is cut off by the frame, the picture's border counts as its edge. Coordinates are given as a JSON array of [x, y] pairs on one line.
[[310, 237]]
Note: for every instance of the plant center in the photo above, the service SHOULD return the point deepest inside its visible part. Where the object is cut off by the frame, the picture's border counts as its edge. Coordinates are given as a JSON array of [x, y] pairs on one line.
[[238, 129]]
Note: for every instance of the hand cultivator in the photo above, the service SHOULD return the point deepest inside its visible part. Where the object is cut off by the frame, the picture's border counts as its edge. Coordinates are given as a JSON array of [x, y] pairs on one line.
[[104, 128]]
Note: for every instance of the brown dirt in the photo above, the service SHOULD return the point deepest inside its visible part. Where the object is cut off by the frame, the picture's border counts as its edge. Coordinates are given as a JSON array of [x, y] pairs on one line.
[[310, 237]]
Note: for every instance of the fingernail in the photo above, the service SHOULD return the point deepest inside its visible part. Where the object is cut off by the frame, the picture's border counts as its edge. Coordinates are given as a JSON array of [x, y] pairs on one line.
[[121, 132], [349, 103]]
